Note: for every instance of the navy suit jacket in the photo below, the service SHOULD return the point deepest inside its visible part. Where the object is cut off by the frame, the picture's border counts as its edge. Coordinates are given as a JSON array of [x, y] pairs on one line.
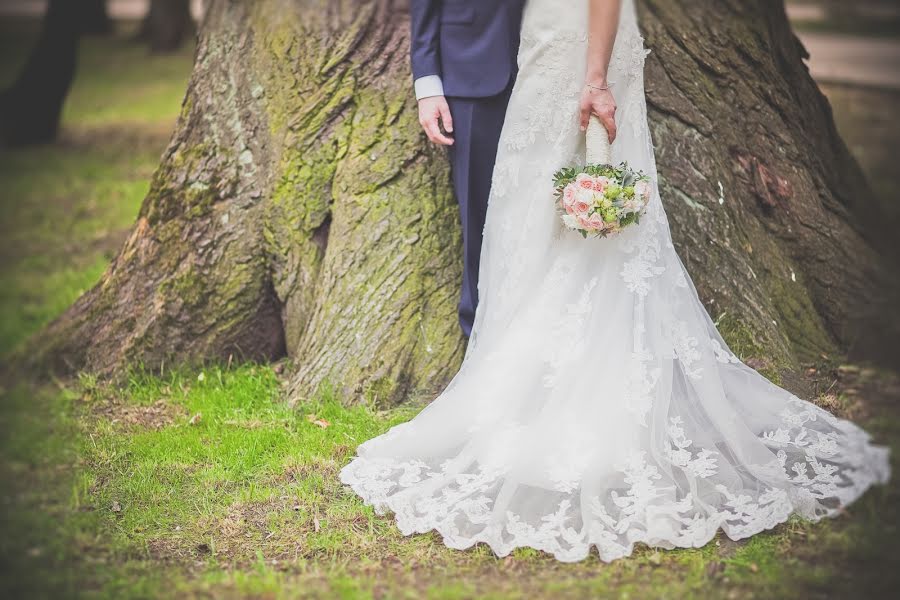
[[471, 44]]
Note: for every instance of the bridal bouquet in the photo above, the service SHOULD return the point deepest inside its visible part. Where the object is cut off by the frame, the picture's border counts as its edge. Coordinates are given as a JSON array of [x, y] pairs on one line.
[[600, 199]]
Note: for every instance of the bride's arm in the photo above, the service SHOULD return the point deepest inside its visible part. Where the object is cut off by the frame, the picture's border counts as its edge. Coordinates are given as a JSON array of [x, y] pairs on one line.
[[596, 98]]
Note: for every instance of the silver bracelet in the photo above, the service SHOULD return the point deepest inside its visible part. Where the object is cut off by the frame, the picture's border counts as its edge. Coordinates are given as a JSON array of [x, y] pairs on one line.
[[597, 87]]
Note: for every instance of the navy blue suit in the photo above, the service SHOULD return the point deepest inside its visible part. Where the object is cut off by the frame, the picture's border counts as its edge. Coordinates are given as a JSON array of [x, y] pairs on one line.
[[472, 45]]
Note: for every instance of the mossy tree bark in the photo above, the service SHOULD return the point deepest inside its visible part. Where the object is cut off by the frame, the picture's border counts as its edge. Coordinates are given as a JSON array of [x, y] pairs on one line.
[[298, 209]]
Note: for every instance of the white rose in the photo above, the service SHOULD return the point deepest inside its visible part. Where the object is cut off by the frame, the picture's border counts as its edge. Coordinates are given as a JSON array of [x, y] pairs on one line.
[[642, 189], [586, 196]]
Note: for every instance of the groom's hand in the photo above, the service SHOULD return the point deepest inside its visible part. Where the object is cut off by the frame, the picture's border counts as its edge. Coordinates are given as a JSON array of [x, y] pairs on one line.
[[602, 104], [434, 112]]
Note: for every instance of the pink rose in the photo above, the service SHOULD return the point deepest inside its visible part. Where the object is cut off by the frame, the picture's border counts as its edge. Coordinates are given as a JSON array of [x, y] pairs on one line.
[[600, 184], [569, 195], [584, 181], [596, 221], [581, 208]]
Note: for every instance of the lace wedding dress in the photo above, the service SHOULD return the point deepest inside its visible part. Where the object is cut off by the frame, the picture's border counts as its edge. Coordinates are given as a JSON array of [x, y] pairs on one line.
[[597, 405]]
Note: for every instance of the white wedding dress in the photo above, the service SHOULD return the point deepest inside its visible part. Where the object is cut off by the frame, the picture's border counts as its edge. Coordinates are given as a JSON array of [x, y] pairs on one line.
[[597, 405]]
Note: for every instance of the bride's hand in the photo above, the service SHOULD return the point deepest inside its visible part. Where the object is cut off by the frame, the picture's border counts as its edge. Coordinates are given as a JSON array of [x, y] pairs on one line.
[[601, 103]]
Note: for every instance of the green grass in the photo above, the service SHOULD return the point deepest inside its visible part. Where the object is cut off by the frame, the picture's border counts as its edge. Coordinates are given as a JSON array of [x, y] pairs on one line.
[[200, 484], [66, 207], [208, 483], [248, 464]]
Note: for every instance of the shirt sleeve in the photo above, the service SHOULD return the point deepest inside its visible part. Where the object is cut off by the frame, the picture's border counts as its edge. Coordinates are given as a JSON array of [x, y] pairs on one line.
[[429, 86]]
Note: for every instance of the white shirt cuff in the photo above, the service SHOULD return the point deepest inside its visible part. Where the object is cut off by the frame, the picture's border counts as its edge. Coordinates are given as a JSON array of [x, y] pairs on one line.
[[429, 86]]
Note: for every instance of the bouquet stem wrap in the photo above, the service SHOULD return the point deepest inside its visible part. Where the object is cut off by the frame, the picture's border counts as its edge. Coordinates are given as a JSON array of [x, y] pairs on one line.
[[598, 149]]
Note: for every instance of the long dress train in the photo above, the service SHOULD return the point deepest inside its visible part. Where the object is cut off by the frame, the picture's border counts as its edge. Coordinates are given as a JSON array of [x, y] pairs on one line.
[[597, 405]]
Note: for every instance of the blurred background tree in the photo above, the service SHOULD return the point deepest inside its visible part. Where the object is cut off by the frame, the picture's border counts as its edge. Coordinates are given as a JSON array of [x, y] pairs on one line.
[[167, 25], [30, 109], [95, 17]]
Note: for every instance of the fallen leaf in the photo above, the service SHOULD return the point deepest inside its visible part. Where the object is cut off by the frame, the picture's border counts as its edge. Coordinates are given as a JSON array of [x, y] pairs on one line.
[[195, 420], [317, 421], [316, 524], [116, 507], [756, 363], [754, 567]]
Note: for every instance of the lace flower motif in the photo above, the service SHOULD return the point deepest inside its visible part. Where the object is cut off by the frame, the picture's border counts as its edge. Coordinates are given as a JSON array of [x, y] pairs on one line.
[[703, 464]]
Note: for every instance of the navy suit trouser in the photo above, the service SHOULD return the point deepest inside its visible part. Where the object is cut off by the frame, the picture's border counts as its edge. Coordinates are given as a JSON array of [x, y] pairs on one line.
[[477, 123]]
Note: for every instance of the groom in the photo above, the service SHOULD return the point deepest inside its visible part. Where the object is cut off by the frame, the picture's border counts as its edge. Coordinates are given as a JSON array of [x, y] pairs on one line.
[[464, 66]]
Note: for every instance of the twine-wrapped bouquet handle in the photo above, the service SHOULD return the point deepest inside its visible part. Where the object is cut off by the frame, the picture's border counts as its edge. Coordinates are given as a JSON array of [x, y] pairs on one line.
[[598, 149]]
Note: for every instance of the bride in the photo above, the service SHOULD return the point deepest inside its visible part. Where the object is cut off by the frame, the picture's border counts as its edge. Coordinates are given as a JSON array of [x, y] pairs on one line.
[[597, 405]]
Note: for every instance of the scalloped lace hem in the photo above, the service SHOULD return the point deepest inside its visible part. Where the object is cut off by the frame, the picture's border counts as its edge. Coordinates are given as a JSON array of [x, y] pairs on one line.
[[568, 545]]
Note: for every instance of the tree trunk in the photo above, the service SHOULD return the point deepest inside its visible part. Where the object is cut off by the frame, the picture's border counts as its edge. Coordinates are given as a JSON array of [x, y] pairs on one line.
[[30, 109], [167, 25], [94, 17], [299, 210]]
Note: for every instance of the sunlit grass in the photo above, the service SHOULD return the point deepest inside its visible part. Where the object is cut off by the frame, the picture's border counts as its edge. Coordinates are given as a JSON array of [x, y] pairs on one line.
[[233, 468]]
